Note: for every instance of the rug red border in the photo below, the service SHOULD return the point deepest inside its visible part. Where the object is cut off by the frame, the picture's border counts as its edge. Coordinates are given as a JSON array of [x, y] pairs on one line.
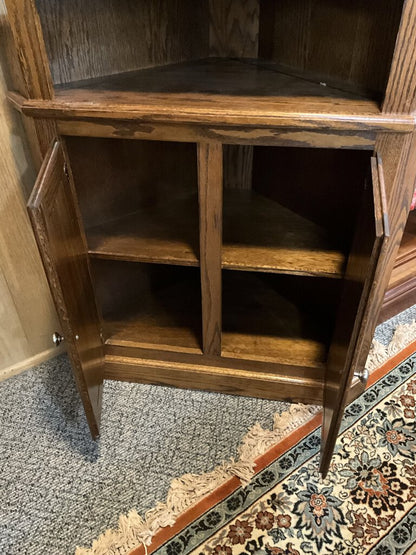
[[220, 493]]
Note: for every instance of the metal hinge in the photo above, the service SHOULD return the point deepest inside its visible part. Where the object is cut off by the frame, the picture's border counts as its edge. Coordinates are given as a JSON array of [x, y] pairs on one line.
[[66, 170]]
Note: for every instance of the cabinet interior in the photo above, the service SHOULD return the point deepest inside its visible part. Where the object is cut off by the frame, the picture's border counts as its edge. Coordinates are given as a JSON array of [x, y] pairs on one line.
[[227, 47], [291, 210], [289, 217], [149, 305], [138, 199]]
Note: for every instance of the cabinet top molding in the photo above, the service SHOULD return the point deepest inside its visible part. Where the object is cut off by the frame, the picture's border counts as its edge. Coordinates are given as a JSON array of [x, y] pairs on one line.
[[260, 112]]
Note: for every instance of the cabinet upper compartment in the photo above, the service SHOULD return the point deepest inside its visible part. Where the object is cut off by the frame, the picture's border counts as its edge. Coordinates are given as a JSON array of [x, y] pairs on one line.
[[336, 49]]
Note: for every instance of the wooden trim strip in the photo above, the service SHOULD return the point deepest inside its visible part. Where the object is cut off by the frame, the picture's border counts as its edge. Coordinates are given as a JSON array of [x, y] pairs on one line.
[[16, 100], [28, 37], [167, 111], [303, 387], [318, 138], [401, 87]]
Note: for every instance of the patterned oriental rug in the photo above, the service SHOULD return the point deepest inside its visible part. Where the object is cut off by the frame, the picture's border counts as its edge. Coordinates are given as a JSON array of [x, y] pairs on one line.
[[277, 503]]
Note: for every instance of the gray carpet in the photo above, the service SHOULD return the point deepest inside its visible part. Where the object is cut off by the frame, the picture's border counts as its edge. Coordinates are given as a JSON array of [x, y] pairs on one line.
[[59, 489]]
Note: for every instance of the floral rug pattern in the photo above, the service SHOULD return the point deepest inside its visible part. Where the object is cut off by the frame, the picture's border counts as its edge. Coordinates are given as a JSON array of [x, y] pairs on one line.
[[366, 505]]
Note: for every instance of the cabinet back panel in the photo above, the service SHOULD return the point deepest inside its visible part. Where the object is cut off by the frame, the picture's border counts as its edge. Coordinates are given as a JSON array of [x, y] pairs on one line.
[[234, 28], [350, 41], [116, 177], [323, 185], [102, 37], [285, 318]]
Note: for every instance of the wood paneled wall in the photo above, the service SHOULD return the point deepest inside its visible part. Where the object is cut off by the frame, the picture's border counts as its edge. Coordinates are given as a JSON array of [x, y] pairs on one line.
[[27, 314]]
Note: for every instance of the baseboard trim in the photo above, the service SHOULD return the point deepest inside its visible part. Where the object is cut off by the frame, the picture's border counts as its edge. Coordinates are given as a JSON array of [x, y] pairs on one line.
[[27, 363]]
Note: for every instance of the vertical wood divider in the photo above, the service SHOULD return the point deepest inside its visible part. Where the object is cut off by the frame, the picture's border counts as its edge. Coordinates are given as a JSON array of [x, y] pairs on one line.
[[234, 33], [210, 185]]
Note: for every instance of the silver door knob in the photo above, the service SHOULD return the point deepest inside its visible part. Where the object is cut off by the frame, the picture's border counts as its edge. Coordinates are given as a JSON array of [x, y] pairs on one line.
[[362, 376], [57, 338]]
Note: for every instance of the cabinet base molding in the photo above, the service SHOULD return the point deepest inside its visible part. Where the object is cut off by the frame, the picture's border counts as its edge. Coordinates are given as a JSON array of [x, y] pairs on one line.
[[299, 385]]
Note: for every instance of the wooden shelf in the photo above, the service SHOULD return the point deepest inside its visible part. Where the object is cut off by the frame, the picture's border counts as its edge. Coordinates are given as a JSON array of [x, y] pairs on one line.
[[240, 77], [259, 235], [262, 235], [233, 91], [276, 318], [265, 318], [166, 233], [150, 306]]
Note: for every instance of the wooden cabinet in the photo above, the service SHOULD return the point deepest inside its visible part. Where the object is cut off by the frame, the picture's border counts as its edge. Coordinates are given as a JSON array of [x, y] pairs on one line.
[[224, 187], [401, 291]]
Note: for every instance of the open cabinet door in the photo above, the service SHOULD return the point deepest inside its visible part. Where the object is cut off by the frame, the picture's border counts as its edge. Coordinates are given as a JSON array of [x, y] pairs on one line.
[[60, 237], [366, 252]]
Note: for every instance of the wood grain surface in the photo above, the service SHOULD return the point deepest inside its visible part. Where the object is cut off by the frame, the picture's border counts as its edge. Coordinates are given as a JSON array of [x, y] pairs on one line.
[[280, 136], [28, 36], [261, 234], [301, 113], [103, 37], [189, 92], [158, 235], [398, 154], [371, 235], [210, 186], [234, 28], [401, 292], [303, 387], [347, 41], [274, 318], [58, 230], [401, 87]]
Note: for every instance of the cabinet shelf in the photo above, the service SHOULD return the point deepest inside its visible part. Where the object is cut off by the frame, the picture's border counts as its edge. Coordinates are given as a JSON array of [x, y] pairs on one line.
[[250, 63], [235, 91], [236, 77], [265, 317], [165, 234], [259, 235], [262, 235], [138, 199]]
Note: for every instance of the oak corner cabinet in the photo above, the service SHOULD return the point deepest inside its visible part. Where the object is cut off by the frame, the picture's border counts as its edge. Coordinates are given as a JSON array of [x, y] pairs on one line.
[[224, 187], [401, 290]]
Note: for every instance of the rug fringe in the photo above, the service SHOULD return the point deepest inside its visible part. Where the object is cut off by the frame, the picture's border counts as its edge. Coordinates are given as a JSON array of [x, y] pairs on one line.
[[133, 530], [379, 353], [184, 492]]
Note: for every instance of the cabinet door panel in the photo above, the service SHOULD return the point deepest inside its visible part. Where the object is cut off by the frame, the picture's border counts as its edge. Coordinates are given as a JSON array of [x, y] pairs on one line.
[[366, 252], [59, 234]]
